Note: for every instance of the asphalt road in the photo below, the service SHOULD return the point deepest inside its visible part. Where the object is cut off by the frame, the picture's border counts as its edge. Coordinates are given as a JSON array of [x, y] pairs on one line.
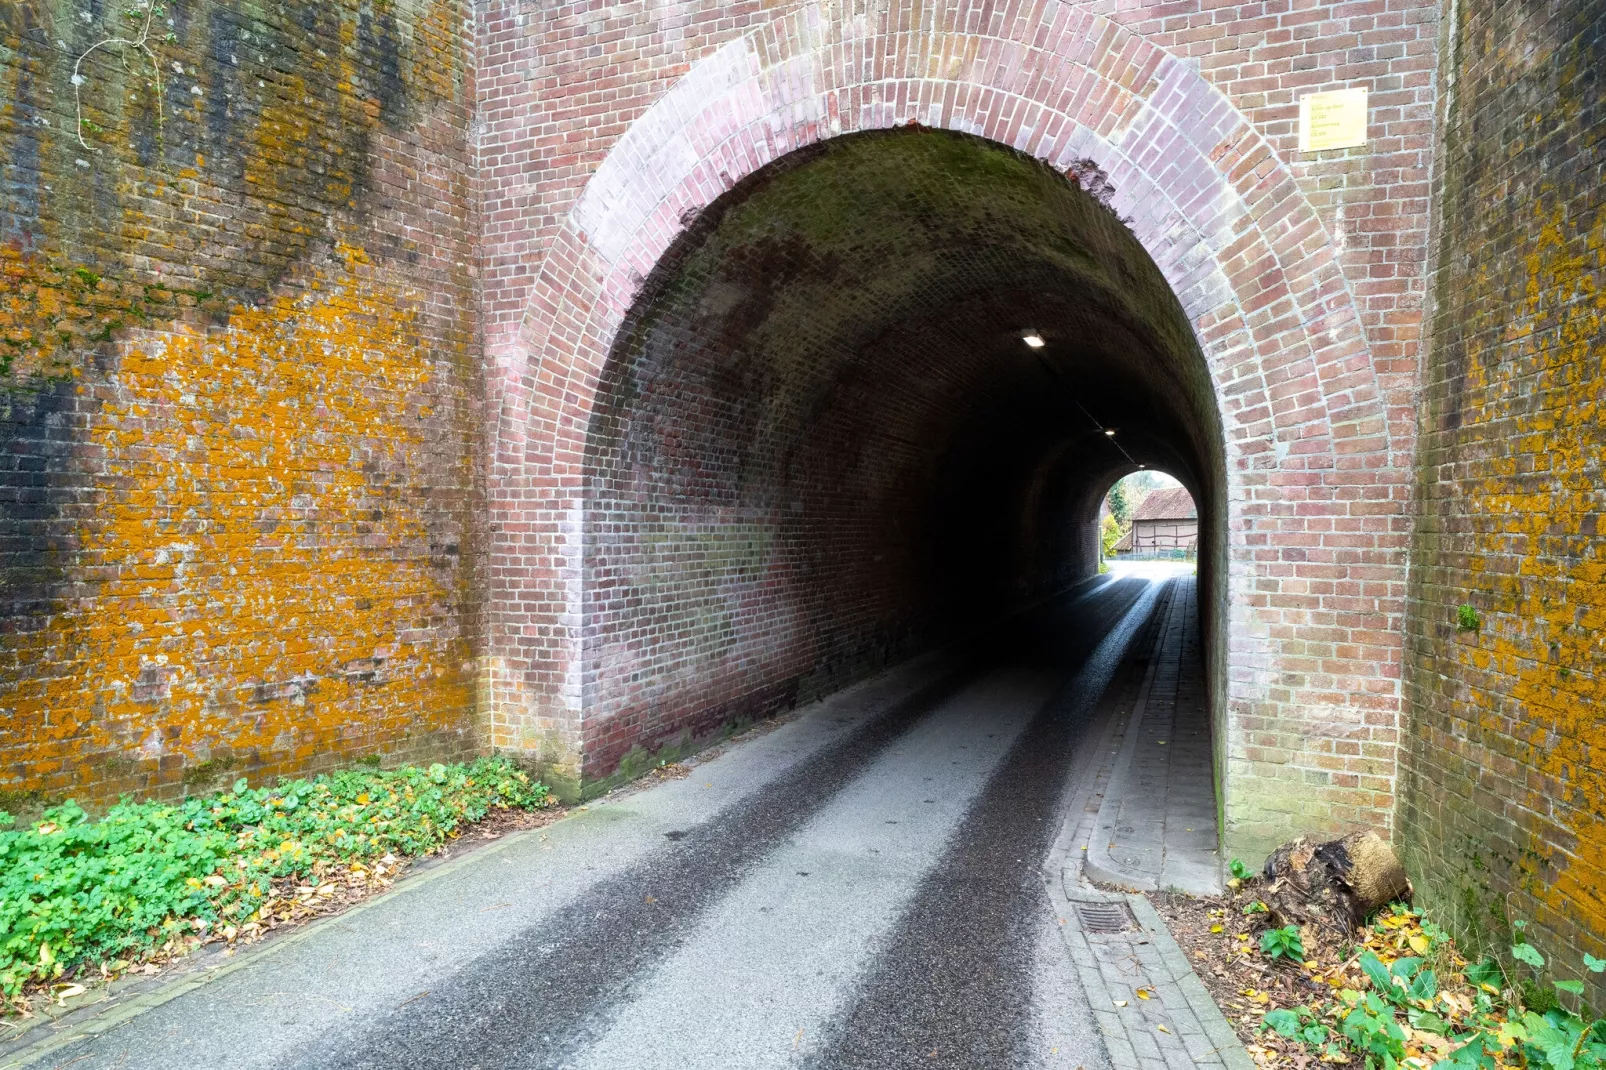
[[861, 887]]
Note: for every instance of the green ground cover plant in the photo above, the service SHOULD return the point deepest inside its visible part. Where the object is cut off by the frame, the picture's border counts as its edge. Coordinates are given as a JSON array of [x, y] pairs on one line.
[[1392, 1008], [1283, 943], [149, 876]]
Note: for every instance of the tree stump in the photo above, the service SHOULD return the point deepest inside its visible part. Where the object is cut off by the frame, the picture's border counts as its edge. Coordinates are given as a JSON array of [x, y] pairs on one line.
[[1333, 886]]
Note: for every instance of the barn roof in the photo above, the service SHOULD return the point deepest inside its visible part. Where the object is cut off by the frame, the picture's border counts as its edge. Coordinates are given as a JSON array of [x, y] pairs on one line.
[[1172, 503]]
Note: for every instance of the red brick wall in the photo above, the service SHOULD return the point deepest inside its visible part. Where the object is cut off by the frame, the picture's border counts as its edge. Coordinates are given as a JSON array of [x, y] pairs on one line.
[[315, 215], [607, 128], [1503, 815], [239, 394]]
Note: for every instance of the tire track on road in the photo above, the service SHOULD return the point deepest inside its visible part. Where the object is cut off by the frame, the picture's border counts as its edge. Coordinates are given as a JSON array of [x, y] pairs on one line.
[[953, 986]]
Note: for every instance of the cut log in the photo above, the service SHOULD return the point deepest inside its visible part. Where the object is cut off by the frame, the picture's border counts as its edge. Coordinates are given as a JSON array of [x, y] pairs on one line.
[[1334, 886]]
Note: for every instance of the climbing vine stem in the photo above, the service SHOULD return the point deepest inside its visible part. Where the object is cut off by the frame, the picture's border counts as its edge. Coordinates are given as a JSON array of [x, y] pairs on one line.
[[142, 43]]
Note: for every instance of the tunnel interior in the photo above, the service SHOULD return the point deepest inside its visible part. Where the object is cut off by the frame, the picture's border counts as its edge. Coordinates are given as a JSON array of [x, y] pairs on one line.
[[823, 440]]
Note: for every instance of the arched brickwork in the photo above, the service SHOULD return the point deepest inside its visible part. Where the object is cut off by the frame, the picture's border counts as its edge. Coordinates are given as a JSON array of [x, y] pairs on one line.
[[1314, 487]]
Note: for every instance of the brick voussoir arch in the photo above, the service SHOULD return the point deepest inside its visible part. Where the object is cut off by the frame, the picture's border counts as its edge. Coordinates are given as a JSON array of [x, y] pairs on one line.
[[1179, 98], [1222, 216]]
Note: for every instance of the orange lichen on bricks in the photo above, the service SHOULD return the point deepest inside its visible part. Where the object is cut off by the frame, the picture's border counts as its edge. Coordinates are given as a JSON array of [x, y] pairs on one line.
[[437, 64], [50, 313], [1548, 641], [1503, 812], [1508, 744], [251, 580]]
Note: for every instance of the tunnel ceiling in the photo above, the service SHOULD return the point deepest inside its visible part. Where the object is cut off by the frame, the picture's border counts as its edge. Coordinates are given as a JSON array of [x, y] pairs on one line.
[[832, 356], [902, 266]]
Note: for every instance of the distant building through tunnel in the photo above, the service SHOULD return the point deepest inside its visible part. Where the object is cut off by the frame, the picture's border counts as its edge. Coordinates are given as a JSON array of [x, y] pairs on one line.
[[1165, 523]]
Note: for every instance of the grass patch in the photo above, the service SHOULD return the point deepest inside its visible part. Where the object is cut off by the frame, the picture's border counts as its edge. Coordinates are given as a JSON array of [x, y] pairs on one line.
[[151, 879]]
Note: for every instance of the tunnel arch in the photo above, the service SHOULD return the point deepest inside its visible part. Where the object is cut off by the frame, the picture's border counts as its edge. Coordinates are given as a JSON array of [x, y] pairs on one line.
[[1304, 427], [821, 441]]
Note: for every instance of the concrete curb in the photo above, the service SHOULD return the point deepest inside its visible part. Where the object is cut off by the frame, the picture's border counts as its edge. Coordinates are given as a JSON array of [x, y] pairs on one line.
[[1216, 1026], [1175, 871], [1097, 864]]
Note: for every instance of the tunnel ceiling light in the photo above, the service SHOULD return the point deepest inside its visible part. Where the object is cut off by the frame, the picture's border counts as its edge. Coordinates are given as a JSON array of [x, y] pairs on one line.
[[1110, 431], [1033, 339]]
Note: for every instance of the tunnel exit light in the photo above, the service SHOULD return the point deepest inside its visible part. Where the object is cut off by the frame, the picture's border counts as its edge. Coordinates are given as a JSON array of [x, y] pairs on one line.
[[1033, 339]]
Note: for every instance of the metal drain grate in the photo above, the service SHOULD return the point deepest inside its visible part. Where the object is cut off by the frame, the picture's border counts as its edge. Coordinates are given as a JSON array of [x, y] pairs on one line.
[[1105, 917]]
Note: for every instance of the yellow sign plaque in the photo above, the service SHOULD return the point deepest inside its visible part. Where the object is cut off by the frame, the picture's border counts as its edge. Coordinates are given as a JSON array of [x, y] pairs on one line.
[[1335, 120]]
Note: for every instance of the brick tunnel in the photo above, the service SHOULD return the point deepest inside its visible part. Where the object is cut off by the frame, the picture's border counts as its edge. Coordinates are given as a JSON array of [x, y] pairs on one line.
[[868, 402], [766, 416], [676, 385], [403, 383]]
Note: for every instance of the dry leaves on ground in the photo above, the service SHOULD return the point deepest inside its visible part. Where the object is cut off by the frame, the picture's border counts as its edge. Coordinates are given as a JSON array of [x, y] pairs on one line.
[[1399, 995]]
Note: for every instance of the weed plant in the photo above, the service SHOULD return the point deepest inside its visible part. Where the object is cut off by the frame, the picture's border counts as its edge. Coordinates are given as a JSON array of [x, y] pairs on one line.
[[75, 891], [1400, 1013]]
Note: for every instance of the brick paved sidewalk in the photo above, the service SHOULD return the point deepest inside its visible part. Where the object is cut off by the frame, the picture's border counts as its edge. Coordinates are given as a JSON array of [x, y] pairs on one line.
[[1118, 943], [1156, 826]]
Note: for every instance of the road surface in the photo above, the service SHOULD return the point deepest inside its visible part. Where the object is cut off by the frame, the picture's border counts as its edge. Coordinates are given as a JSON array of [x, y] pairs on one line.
[[860, 887]]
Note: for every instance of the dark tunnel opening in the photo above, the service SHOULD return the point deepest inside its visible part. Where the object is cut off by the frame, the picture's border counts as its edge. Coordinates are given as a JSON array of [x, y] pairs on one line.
[[823, 440]]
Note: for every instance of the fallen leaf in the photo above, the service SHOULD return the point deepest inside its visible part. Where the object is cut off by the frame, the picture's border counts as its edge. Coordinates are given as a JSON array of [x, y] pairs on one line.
[[1120, 1003], [1162, 1029], [1218, 928], [1144, 993]]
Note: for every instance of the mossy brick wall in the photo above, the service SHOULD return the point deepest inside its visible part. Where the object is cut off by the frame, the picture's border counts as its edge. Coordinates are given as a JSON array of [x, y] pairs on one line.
[[243, 412], [238, 391], [1503, 815]]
